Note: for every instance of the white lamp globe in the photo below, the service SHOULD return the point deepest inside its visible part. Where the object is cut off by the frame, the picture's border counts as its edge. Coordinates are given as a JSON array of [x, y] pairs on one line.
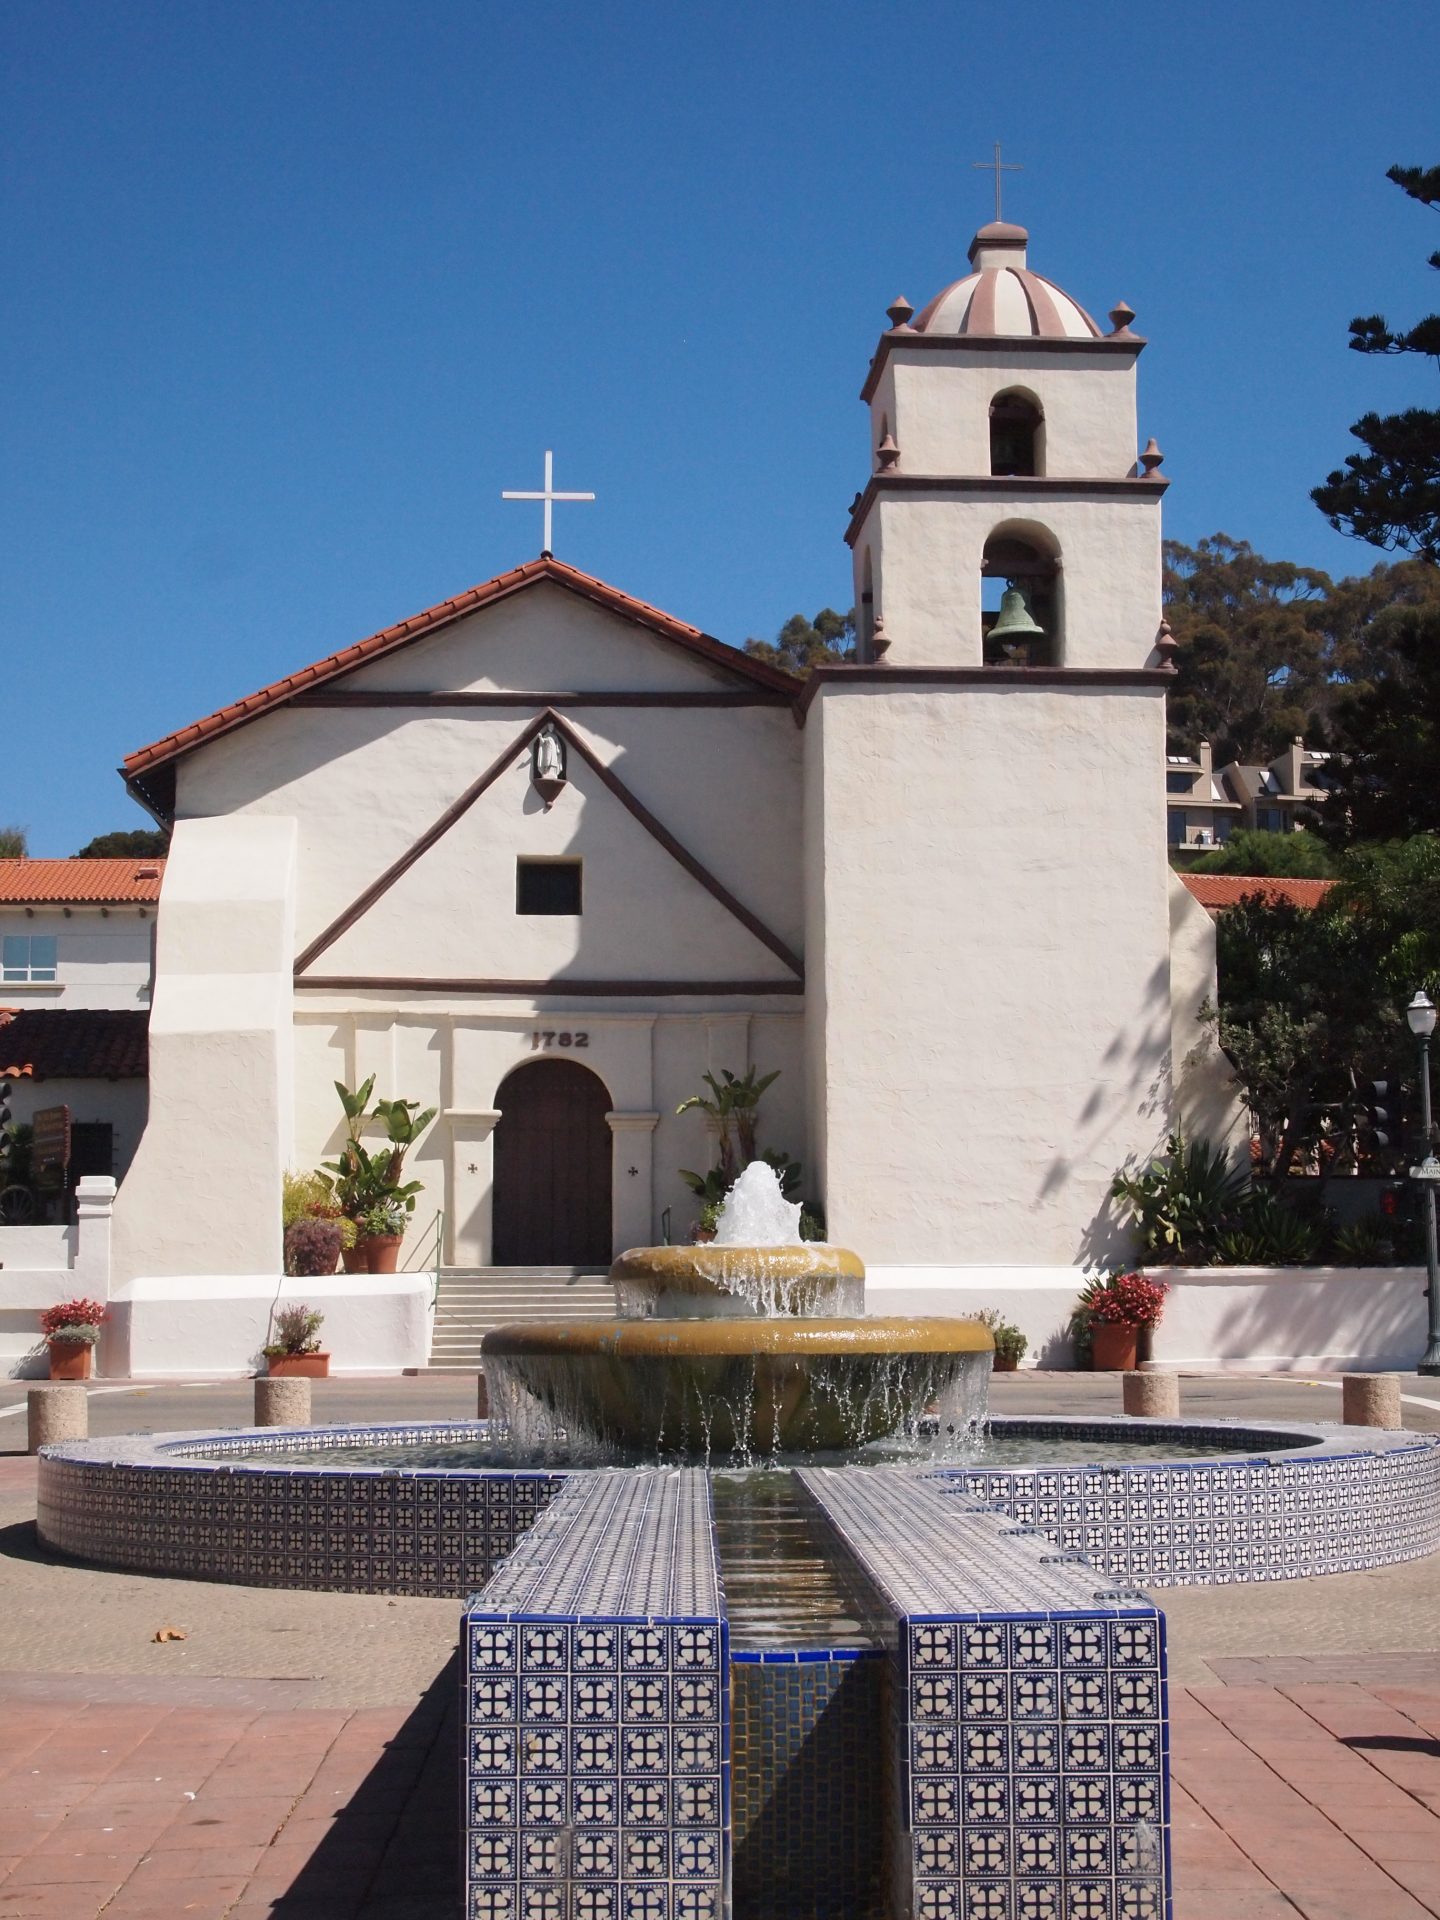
[[1421, 1014]]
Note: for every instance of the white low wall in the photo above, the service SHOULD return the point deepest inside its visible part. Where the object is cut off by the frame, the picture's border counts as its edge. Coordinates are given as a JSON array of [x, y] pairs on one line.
[[41, 1266], [217, 1324], [1292, 1319], [1256, 1319], [1038, 1300]]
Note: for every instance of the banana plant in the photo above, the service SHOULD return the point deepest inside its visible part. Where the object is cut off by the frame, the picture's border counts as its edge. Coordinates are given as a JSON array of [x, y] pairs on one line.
[[360, 1179], [733, 1107]]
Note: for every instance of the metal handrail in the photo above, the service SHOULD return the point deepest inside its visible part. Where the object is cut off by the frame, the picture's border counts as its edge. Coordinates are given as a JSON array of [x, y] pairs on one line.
[[432, 1243]]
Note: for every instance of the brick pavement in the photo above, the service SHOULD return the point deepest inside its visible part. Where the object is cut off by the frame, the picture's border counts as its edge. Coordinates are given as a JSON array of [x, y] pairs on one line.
[[1313, 1799], [215, 1778]]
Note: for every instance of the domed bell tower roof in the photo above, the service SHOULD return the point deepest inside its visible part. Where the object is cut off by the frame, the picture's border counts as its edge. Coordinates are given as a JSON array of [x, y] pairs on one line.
[[1002, 299]]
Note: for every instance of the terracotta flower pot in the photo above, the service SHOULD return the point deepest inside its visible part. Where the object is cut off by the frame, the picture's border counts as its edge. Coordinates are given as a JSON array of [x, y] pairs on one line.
[[70, 1359], [382, 1251], [1113, 1347], [298, 1366], [1005, 1363], [353, 1259]]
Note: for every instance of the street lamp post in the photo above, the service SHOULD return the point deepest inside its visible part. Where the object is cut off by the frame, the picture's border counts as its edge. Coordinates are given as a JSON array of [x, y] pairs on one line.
[[1421, 1015]]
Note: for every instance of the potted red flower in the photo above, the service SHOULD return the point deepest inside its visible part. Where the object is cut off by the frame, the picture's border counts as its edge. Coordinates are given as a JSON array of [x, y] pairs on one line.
[[71, 1330], [1118, 1310]]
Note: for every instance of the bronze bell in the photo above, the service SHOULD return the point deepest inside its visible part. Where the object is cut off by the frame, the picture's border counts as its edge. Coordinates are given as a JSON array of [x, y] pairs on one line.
[[1014, 621]]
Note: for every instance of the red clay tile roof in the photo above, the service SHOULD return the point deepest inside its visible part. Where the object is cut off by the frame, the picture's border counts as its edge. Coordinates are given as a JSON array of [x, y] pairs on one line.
[[46, 1043], [585, 584], [79, 882], [1217, 890]]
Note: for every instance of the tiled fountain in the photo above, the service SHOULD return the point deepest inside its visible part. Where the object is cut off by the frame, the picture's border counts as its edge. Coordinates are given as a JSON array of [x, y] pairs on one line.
[[750, 1632]]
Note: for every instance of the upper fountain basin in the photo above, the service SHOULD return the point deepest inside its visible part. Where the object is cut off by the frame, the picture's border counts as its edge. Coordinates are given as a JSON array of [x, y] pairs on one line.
[[711, 1282]]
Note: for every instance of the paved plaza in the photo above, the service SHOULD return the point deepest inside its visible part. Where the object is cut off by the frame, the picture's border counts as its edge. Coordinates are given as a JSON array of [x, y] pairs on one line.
[[295, 1754]]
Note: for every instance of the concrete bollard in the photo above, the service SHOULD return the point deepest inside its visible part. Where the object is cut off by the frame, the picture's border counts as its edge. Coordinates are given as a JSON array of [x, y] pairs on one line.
[[58, 1411], [1371, 1400], [1152, 1396], [482, 1399], [282, 1403]]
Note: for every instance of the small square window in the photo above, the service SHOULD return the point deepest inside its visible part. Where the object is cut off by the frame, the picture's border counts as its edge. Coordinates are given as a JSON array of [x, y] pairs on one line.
[[29, 956], [547, 886]]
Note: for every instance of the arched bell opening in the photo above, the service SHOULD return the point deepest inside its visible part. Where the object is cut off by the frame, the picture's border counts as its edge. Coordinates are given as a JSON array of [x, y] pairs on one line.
[[865, 612], [1017, 434], [1020, 603]]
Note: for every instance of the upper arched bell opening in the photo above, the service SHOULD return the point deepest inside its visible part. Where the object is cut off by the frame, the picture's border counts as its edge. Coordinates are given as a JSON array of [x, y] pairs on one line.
[[1017, 433]]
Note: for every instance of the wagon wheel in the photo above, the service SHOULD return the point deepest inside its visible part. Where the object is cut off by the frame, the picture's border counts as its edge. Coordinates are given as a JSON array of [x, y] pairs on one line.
[[17, 1206]]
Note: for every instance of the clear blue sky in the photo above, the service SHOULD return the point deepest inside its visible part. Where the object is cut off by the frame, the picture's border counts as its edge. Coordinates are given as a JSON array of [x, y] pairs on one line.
[[294, 288]]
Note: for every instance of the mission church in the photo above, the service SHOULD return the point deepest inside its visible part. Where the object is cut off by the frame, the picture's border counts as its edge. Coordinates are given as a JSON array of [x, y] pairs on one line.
[[543, 855]]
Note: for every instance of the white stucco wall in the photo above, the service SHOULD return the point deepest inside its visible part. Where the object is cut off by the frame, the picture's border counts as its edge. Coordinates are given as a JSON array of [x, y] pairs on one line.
[[208, 1325], [42, 1265], [453, 913], [203, 1192], [926, 550], [724, 781], [457, 1057], [1292, 1319], [997, 1018], [1206, 1103], [939, 408]]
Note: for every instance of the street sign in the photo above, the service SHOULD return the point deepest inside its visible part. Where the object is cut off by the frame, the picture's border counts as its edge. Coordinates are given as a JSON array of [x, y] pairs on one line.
[[50, 1154]]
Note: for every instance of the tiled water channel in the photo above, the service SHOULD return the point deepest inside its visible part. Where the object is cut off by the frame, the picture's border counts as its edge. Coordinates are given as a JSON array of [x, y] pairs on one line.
[[808, 1712]]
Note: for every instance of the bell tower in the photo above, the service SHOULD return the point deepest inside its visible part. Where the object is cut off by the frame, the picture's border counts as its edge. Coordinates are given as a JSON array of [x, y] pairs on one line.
[[1007, 519], [991, 1021]]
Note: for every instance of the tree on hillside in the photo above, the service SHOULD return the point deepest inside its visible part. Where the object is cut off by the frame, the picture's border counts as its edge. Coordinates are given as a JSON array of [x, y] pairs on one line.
[[1390, 494], [13, 845], [1298, 1019], [1251, 674], [1312, 999], [801, 645], [1293, 856], [1392, 894], [1356, 621], [1386, 723], [137, 843], [1387, 733]]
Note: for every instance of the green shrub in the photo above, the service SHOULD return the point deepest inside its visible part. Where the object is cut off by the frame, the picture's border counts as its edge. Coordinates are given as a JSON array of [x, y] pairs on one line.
[[1270, 1234], [1010, 1342], [1181, 1202]]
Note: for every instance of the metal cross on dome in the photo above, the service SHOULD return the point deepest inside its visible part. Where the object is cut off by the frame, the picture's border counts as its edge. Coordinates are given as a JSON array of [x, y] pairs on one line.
[[549, 496], [997, 166]]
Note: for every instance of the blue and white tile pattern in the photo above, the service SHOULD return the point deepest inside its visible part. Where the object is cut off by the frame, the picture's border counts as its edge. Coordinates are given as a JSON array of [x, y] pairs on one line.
[[596, 1684], [1030, 1711]]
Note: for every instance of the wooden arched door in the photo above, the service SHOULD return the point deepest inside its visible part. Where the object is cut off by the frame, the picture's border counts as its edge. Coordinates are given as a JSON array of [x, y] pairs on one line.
[[552, 1168]]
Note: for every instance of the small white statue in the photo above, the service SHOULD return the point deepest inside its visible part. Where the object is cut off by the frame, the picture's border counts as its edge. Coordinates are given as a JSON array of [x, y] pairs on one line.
[[549, 756]]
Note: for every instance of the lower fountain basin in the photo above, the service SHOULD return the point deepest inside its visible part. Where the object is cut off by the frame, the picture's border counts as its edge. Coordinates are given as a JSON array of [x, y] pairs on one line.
[[749, 1386]]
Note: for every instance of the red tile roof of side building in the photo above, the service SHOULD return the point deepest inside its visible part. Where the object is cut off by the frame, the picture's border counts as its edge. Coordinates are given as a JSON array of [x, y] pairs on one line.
[[703, 645], [101, 883], [48, 1043], [1219, 890]]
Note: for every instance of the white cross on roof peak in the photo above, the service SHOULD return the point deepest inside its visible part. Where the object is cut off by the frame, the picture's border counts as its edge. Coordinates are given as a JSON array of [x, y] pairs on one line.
[[549, 496]]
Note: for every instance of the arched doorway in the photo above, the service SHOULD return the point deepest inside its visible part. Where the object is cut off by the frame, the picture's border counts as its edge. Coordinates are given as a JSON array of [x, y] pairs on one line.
[[552, 1168]]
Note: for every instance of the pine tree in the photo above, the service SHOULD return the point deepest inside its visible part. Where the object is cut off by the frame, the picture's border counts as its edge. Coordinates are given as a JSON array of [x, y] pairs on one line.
[[1390, 494]]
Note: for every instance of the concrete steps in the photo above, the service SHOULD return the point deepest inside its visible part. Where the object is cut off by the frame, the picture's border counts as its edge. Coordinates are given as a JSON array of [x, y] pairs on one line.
[[471, 1300]]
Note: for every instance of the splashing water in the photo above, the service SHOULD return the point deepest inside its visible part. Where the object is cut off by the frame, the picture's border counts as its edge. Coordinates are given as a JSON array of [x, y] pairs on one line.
[[756, 1213], [818, 1377]]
